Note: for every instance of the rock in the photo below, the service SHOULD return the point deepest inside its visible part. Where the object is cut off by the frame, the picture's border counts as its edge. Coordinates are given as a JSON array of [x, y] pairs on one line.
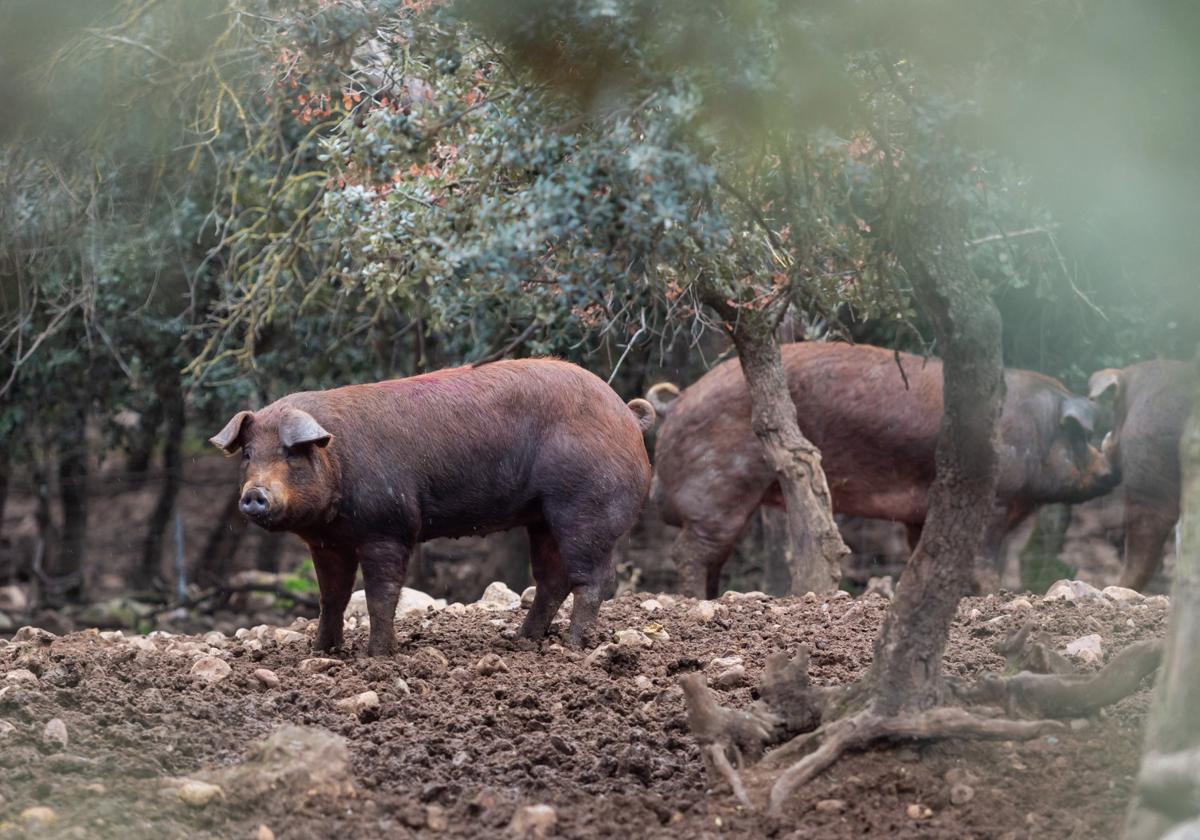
[[498, 598], [38, 818], [651, 605], [34, 634], [1161, 602], [6, 729], [318, 665], [401, 685], [13, 599], [527, 596], [961, 794], [457, 609], [288, 637], [1018, 605], [20, 675], [210, 669], [632, 638], [643, 682], [198, 794], [414, 600], [600, 655], [303, 759], [55, 734], [973, 614], [1072, 590], [253, 646], [533, 821], [1080, 724], [489, 664], [142, 643], [917, 811], [831, 806], [1087, 648], [722, 663], [363, 706], [1121, 595], [959, 776], [264, 833], [656, 633], [732, 678], [267, 677], [884, 587], [704, 611], [753, 595], [436, 818]]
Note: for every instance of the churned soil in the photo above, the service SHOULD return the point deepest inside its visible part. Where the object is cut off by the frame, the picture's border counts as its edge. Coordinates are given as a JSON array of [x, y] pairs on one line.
[[455, 749]]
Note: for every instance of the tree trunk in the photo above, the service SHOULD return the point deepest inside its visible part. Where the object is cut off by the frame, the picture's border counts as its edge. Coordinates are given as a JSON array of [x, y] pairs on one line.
[[1164, 798], [141, 450], [815, 546], [171, 399], [216, 558], [5, 475], [907, 670], [64, 567]]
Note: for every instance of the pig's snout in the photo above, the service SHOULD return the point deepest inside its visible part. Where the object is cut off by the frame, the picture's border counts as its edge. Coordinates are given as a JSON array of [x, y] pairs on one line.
[[255, 503], [1106, 474]]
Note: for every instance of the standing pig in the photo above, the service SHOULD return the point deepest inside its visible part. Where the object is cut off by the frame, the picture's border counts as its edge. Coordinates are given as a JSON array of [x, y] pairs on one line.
[[1151, 403], [365, 472], [877, 439]]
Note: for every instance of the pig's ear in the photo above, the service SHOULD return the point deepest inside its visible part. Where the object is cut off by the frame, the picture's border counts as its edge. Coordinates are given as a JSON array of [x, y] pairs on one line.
[[1078, 412], [1102, 381], [299, 427], [229, 439]]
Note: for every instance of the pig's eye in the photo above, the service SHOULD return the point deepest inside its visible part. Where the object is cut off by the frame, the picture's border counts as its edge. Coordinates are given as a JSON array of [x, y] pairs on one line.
[[245, 453]]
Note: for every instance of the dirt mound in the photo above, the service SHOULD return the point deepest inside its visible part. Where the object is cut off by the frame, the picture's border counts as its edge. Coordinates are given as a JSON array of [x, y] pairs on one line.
[[467, 729]]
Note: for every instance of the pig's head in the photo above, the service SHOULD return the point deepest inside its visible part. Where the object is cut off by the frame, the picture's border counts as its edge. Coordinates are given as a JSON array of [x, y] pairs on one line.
[[1073, 468], [289, 478]]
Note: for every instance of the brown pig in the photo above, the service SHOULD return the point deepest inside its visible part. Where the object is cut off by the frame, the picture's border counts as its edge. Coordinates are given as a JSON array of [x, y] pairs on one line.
[[877, 438], [365, 472], [1151, 402]]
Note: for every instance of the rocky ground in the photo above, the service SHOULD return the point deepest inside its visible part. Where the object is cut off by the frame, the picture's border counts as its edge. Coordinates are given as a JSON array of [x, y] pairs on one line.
[[467, 734]]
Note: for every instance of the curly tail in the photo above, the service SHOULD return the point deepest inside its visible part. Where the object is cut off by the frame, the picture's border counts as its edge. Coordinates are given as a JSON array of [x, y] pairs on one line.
[[643, 413], [662, 396]]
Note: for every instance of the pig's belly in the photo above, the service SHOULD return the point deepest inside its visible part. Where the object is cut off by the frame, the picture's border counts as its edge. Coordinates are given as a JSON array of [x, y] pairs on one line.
[[899, 503], [453, 520]]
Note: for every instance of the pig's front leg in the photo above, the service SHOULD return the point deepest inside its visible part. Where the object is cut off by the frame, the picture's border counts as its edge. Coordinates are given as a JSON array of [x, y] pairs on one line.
[[335, 576], [384, 565]]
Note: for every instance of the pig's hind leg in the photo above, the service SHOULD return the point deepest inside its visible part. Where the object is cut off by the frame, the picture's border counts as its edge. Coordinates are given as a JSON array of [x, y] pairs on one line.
[[550, 575], [384, 565]]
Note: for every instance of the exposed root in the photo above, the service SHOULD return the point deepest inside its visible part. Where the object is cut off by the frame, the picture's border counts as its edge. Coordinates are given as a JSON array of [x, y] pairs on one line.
[[746, 733], [1067, 695], [865, 727], [1026, 650], [716, 754]]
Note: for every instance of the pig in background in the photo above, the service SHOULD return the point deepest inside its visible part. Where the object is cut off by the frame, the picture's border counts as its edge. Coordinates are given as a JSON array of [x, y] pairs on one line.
[[364, 473], [877, 434], [1150, 402]]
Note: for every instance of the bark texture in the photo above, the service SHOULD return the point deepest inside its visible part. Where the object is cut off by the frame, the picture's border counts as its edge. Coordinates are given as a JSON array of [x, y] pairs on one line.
[[1166, 798], [63, 580], [171, 399], [907, 671]]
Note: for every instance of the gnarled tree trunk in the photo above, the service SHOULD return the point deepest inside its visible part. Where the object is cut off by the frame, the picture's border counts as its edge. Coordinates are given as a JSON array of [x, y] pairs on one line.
[[171, 399], [907, 670], [1168, 790], [63, 567], [815, 546]]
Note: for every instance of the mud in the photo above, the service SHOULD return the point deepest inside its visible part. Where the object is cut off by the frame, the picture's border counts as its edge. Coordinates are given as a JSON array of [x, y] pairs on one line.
[[459, 753]]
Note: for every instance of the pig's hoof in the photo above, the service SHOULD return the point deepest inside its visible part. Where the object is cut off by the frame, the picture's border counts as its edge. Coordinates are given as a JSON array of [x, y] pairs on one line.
[[327, 647], [387, 648]]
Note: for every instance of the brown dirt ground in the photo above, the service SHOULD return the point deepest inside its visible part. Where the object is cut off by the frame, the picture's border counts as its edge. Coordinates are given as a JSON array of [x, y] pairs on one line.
[[613, 759]]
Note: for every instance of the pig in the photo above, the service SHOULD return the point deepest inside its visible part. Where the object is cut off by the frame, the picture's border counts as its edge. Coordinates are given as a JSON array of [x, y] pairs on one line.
[[363, 473], [877, 438], [1151, 402]]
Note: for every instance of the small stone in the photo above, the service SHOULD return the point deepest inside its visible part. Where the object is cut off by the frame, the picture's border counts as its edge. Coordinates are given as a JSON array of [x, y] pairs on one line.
[[436, 818], [318, 665], [722, 663], [198, 794], [1080, 724], [704, 611], [55, 733], [215, 638], [363, 706], [96, 788], [264, 833], [489, 664], [600, 655], [527, 596], [753, 595], [831, 806], [209, 669], [632, 638], [732, 678], [1087, 648], [656, 633], [402, 686], [961, 794], [916, 811], [1161, 602], [414, 600], [884, 587], [1072, 590], [1018, 605], [498, 597], [288, 637], [1120, 595], [21, 675], [643, 682], [533, 821], [34, 634], [973, 614], [267, 677], [959, 776], [6, 729], [38, 818], [651, 605]]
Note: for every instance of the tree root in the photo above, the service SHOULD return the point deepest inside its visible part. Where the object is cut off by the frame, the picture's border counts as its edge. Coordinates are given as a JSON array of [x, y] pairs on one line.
[[790, 708]]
